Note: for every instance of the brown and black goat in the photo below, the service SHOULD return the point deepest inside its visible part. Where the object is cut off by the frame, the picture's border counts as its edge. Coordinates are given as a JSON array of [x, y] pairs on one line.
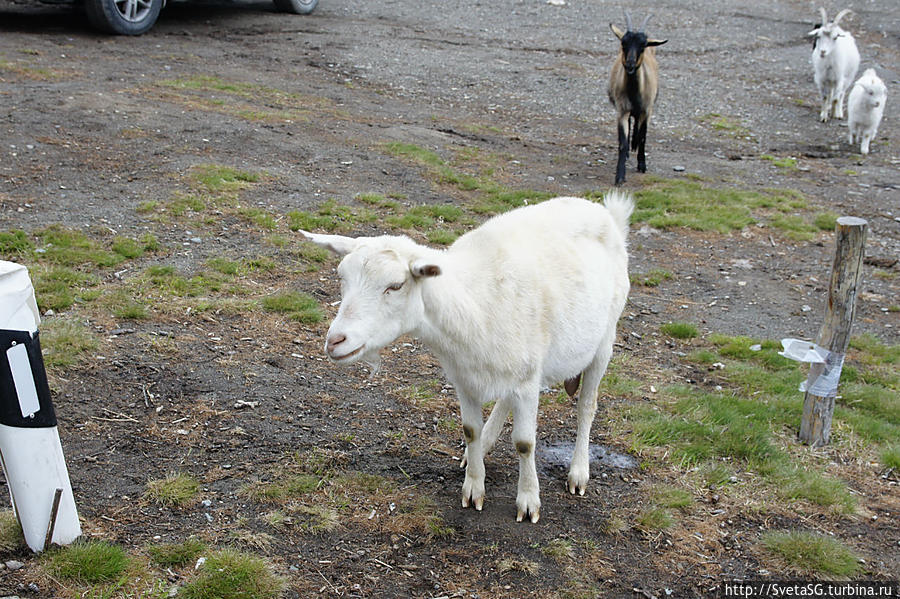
[[633, 87]]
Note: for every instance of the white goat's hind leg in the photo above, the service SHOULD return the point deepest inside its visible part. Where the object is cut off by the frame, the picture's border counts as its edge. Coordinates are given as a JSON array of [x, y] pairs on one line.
[[473, 486], [491, 429], [580, 467], [524, 437]]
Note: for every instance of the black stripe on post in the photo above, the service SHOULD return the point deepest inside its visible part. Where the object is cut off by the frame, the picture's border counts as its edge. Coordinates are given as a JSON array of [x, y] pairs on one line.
[[10, 412]]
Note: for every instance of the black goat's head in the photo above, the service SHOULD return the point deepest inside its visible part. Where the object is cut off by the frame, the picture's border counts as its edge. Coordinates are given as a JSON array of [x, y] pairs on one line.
[[633, 43]]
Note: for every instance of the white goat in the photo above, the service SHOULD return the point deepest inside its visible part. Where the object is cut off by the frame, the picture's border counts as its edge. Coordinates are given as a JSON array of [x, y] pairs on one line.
[[835, 60], [865, 105], [530, 298]]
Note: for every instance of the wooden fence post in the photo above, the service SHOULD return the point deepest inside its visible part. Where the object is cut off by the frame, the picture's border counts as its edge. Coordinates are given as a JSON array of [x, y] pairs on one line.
[[818, 402]]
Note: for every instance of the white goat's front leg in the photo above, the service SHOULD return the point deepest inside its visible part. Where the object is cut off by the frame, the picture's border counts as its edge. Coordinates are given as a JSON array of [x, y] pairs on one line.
[[473, 486], [491, 429], [866, 137], [839, 104], [524, 438], [580, 467]]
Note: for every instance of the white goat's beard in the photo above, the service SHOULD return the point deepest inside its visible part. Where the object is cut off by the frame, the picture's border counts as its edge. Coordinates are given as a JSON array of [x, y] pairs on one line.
[[373, 360]]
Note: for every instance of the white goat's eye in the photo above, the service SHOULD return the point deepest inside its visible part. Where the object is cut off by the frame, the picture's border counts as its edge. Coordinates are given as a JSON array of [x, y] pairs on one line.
[[394, 287]]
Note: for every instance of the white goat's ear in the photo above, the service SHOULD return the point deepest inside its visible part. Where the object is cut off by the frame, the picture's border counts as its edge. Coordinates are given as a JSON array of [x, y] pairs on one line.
[[656, 42], [424, 268], [338, 244], [814, 32], [619, 33]]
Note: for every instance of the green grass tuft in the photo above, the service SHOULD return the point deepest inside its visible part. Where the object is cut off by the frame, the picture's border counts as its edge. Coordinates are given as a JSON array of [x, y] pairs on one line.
[[176, 490], [298, 306], [813, 553], [668, 203], [230, 574], [680, 330], [11, 536], [655, 519], [890, 457], [88, 562], [222, 179], [64, 342], [14, 243]]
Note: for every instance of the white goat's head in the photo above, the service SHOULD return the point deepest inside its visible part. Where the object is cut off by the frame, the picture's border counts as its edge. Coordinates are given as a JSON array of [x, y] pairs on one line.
[[828, 33], [381, 298]]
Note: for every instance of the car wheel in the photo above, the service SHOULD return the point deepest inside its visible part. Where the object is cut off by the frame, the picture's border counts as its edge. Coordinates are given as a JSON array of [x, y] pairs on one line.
[[124, 17], [300, 7]]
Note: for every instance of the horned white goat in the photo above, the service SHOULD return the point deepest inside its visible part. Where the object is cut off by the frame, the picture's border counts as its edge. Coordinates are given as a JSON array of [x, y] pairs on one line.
[[865, 106], [835, 61], [526, 300]]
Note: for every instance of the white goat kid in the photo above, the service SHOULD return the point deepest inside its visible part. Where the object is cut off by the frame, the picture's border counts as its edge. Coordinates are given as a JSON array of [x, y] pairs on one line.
[[865, 106], [835, 60], [530, 298]]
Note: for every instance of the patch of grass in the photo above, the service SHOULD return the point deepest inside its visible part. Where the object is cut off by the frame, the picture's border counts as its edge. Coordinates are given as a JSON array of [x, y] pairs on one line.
[[88, 562], [725, 124], [230, 574], [330, 216], [655, 519], [680, 330], [668, 203], [511, 564], [175, 490], [786, 163], [441, 236], [825, 221], [794, 227], [259, 217], [59, 287], [122, 305], [66, 247], [650, 279], [297, 306], [283, 488], [15, 243], [377, 200], [11, 536], [176, 555], [559, 549], [64, 342], [671, 497], [216, 179], [812, 553], [812, 486], [318, 519], [890, 457]]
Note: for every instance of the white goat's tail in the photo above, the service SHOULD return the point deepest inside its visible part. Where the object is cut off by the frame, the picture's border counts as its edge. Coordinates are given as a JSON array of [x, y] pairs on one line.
[[620, 205]]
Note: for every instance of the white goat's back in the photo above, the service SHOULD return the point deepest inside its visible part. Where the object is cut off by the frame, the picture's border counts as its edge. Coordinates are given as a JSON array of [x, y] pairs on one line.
[[553, 280]]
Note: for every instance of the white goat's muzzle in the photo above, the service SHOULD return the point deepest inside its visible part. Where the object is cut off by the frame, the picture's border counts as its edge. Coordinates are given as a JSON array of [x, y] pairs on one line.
[[340, 349]]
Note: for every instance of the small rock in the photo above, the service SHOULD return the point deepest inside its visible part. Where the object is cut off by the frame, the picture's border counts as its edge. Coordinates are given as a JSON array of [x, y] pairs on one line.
[[206, 503], [678, 169], [14, 565], [805, 308]]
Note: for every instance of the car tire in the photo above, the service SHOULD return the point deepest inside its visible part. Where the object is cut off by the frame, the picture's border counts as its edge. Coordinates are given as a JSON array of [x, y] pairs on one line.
[[123, 17], [299, 7]]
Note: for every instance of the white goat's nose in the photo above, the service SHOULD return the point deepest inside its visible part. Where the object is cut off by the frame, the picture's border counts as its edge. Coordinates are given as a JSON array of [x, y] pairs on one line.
[[333, 341], [822, 53]]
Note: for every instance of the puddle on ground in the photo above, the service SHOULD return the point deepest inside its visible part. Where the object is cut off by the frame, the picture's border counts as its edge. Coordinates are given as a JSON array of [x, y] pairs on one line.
[[557, 455]]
